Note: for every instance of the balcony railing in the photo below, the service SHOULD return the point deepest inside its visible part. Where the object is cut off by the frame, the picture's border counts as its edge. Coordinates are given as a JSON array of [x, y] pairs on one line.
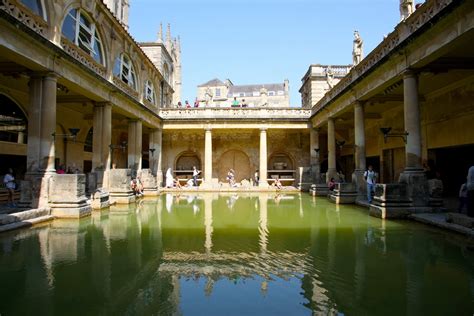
[[234, 113], [82, 57], [25, 15]]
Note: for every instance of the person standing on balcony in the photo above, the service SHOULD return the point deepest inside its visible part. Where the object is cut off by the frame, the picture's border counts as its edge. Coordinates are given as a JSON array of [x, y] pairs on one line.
[[235, 103], [186, 104], [196, 103]]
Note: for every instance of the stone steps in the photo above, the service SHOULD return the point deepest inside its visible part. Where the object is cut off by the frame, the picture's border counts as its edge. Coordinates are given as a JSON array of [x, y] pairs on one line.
[[24, 219]]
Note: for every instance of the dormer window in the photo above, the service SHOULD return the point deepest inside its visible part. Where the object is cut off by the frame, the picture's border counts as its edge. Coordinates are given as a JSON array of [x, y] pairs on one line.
[[80, 30], [123, 69]]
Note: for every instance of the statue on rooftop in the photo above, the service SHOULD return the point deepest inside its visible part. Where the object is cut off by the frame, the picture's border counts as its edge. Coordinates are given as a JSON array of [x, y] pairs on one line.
[[357, 49], [407, 7], [330, 77], [209, 96]]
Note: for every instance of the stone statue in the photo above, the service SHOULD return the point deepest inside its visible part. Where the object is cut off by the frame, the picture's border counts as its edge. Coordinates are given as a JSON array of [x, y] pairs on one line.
[[330, 77], [407, 7], [357, 49], [263, 97], [209, 96]]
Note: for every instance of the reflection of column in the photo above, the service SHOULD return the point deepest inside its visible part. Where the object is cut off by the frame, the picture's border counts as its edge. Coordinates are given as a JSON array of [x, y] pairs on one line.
[[262, 223], [314, 155], [155, 156], [412, 121], [102, 136], [208, 156], [48, 123], [208, 222], [359, 141], [135, 145], [263, 158], [331, 173]]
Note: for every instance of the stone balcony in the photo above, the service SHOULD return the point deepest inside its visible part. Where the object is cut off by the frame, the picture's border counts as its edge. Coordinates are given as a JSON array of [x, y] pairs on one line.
[[212, 113]]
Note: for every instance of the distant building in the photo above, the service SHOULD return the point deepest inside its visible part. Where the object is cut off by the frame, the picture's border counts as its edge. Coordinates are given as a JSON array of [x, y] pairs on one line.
[[318, 80], [221, 94]]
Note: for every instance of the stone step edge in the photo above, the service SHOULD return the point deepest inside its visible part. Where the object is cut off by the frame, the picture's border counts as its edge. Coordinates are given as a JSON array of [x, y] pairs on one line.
[[25, 223]]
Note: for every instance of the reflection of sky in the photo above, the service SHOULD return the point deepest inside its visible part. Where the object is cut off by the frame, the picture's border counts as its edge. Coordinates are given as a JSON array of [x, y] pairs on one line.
[[243, 297]]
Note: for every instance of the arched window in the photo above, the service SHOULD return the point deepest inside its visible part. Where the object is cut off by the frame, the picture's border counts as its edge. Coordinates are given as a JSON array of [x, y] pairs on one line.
[[34, 5], [79, 29], [123, 69], [149, 91]]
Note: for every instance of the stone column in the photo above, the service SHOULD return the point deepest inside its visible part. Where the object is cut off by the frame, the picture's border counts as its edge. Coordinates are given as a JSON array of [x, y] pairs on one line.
[[359, 141], [413, 175], [102, 137], [34, 124], [208, 156], [135, 145], [263, 159], [314, 155], [332, 172], [48, 123], [155, 157]]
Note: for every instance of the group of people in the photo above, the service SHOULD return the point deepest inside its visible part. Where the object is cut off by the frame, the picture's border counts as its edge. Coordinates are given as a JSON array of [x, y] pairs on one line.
[[70, 170], [173, 182], [188, 105]]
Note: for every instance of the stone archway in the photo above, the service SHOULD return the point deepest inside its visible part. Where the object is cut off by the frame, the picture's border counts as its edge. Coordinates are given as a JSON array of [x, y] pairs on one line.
[[237, 160]]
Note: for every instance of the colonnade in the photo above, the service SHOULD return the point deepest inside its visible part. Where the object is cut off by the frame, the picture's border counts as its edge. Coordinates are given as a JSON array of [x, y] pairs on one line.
[[413, 147]]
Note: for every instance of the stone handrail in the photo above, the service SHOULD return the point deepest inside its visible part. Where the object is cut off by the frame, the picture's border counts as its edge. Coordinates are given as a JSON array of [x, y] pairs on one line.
[[81, 56], [402, 31], [234, 113], [25, 15]]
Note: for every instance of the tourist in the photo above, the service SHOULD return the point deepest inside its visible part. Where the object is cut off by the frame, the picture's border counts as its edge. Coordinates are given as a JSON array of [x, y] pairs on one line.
[[244, 105], [277, 184], [196, 103], [370, 178], [169, 178], [332, 184], [462, 197], [235, 103], [195, 175], [189, 183], [61, 169], [176, 183], [186, 104], [256, 177], [9, 181], [180, 105], [231, 177], [470, 192]]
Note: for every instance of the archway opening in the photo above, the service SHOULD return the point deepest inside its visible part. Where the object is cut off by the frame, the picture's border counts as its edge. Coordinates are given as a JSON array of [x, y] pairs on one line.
[[237, 160]]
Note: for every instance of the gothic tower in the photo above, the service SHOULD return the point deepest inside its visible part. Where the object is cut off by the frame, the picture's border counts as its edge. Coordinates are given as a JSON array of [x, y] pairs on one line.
[[120, 9]]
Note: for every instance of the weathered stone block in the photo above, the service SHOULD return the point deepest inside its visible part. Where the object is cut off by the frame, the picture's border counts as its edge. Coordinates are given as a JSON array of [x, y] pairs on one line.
[[119, 186], [416, 186], [67, 196], [390, 201], [150, 187], [344, 193]]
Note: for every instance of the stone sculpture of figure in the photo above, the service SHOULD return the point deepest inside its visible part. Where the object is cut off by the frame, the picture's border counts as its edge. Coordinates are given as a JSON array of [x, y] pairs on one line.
[[330, 77], [357, 49], [169, 178], [209, 96], [407, 7]]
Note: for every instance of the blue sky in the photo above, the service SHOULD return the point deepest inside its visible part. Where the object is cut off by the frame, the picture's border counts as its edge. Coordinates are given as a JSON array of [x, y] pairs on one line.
[[262, 41]]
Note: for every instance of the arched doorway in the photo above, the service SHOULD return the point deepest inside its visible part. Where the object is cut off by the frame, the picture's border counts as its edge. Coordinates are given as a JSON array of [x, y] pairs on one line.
[[184, 164], [237, 160]]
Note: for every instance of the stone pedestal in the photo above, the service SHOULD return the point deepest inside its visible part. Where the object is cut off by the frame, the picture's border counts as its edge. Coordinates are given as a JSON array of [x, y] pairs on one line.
[[35, 190], [150, 187], [119, 186], [417, 187], [361, 184], [319, 189], [390, 201], [100, 199], [67, 196], [344, 193]]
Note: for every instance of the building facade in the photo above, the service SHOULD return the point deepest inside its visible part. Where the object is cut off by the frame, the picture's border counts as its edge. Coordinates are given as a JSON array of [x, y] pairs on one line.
[[222, 94]]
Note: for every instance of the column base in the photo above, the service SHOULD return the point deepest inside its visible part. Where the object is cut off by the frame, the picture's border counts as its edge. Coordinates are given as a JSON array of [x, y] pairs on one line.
[[119, 186], [360, 184], [319, 189], [390, 201], [149, 183], [417, 186], [100, 199], [67, 197], [331, 173], [344, 193]]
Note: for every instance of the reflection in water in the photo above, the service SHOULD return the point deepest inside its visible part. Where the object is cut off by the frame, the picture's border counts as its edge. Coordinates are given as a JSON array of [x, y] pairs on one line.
[[287, 254]]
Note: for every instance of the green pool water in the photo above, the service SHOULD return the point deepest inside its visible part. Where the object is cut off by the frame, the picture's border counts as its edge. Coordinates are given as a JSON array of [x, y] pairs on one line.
[[211, 254]]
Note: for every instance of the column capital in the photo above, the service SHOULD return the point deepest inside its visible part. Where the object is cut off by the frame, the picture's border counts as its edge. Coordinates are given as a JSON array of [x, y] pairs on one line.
[[208, 129], [43, 74], [359, 103], [409, 73], [316, 129], [102, 104], [263, 129]]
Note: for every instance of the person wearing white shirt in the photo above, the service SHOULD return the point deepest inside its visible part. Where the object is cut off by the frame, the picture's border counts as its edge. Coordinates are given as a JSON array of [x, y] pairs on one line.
[[370, 177], [9, 182]]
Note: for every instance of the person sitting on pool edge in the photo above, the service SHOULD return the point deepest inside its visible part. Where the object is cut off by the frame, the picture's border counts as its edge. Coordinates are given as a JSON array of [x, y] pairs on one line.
[[332, 184]]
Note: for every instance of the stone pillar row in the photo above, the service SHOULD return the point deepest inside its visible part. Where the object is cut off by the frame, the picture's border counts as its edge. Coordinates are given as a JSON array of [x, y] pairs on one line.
[[208, 156], [332, 171], [263, 182]]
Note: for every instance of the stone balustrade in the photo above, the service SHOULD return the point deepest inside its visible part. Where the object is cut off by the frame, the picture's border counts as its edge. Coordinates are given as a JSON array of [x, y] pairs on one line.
[[25, 15], [337, 70], [82, 57], [125, 87], [421, 17], [234, 113]]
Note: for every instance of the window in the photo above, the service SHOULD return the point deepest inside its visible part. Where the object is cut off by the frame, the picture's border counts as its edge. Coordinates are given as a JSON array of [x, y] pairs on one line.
[[256, 94], [280, 92], [149, 92], [82, 32], [35, 6], [271, 93], [218, 92], [123, 69], [241, 94]]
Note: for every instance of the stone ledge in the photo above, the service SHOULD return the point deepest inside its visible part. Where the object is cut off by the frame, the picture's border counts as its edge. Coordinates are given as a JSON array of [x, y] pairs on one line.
[[439, 220], [460, 219], [26, 223]]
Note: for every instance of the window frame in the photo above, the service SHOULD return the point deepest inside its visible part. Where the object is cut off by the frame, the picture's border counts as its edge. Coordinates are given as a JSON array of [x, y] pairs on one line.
[[149, 86], [131, 76]]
